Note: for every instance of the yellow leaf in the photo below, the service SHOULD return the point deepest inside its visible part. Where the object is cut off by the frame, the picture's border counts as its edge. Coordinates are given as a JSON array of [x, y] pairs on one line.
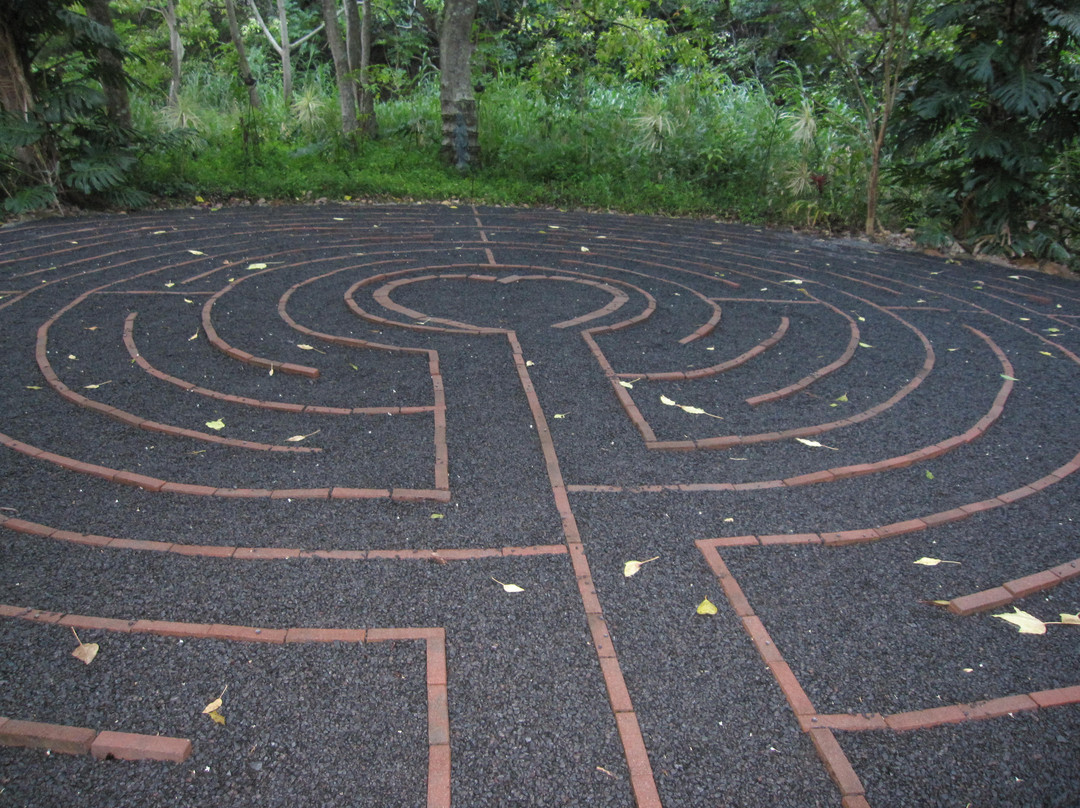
[[508, 587], [529, 363], [706, 607], [199, 199], [217, 717], [218, 424], [933, 562], [792, 280], [86, 651], [188, 300], [842, 398], [196, 252], [73, 357], [216, 703], [865, 345], [193, 336], [437, 516], [91, 328], [668, 401], [259, 265], [1047, 353], [96, 386], [298, 438], [626, 384], [584, 249], [169, 285], [33, 387], [560, 415], [1071, 619], [632, 567], [1024, 622], [815, 444]]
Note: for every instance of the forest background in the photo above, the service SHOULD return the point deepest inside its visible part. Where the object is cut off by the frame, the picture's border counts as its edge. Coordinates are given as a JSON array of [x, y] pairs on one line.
[[956, 122]]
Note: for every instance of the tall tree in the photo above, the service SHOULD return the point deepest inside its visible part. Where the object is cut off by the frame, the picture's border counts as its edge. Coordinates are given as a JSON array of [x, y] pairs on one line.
[[873, 41], [460, 145], [285, 46], [176, 49], [113, 80], [358, 47], [345, 84], [241, 53]]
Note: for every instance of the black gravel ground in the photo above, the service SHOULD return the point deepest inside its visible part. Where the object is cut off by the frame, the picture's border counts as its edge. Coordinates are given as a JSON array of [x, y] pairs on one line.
[[336, 724]]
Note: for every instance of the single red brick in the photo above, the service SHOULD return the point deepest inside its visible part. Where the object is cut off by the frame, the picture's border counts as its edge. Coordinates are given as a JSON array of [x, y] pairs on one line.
[[637, 759], [618, 694], [980, 601], [103, 623], [141, 544], [438, 716], [836, 763], [793, 691], [1016, 494], [204, 550], [900, 528], [438, 781], [850, 537], [851, 722], [600, 635], [1070, 569], [944, 517], [995, 708], [219, 631], [762, 641], [264, 553], [791, 538], [58, 738], [1058, 697], [921, 719], [164, 628], [824, 476], [1036, 582], [359, 493], [536, 549], [130, 746]]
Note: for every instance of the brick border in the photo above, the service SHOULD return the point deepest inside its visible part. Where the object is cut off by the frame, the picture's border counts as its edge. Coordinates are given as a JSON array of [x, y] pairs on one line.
[[821, 727], [130, 746]]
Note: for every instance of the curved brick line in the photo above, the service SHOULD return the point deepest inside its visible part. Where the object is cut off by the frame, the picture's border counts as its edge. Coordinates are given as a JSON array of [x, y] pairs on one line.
[[156, 484], [702, 331], [83, 741], [440, 555], [280, 406], [41, 354], [997, 408], [721, 367], [438, 408], [832, 367], [436, 680], [865, 535], [350, 298]]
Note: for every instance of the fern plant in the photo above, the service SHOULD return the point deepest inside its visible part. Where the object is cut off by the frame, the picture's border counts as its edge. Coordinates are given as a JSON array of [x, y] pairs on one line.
[[989, 114], [59, 141]]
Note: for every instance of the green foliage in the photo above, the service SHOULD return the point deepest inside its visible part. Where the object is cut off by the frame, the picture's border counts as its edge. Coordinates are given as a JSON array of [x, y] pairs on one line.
[[989, 119]]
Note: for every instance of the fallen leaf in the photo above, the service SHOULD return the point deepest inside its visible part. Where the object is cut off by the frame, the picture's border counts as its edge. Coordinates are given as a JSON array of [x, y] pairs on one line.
[[188, 300], [96, 386], [688, 409], [259, 265], [91, 328], [935, 602], [729, 519], [1047, 353], [196, 252], [865, 345], [529, 363], [88, 650], [792, 280], [1009, 378], [815, 444], [305, 347], [626, 384], [1071, 619], [437, 516], [218, 424], [632, 567], [560, 415], [1025, 623], [217, 717], [73, 357], [929, 474], [668, 401], [926, 561], [215, 704], [298, 438], [584, 249], [706, 607], [842, 398], [508, 587], [169, 284], [33, 387], [193, 336]]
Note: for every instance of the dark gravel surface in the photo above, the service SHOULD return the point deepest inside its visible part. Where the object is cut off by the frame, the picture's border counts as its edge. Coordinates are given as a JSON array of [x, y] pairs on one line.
[[530, 720]]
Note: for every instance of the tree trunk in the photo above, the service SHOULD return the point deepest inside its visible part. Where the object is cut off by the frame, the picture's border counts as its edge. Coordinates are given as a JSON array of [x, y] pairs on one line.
[[113, 80], [358, 37], [17, 99], [460, 147], [286, 53], [238, 43], [345, 82], [176, 51]]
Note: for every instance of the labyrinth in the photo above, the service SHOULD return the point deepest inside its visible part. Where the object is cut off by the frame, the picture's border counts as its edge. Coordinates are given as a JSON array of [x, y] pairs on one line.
[[369, 476]]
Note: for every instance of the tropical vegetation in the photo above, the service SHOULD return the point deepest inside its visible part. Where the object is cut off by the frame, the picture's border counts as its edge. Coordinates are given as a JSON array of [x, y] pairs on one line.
[[957, 121]]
